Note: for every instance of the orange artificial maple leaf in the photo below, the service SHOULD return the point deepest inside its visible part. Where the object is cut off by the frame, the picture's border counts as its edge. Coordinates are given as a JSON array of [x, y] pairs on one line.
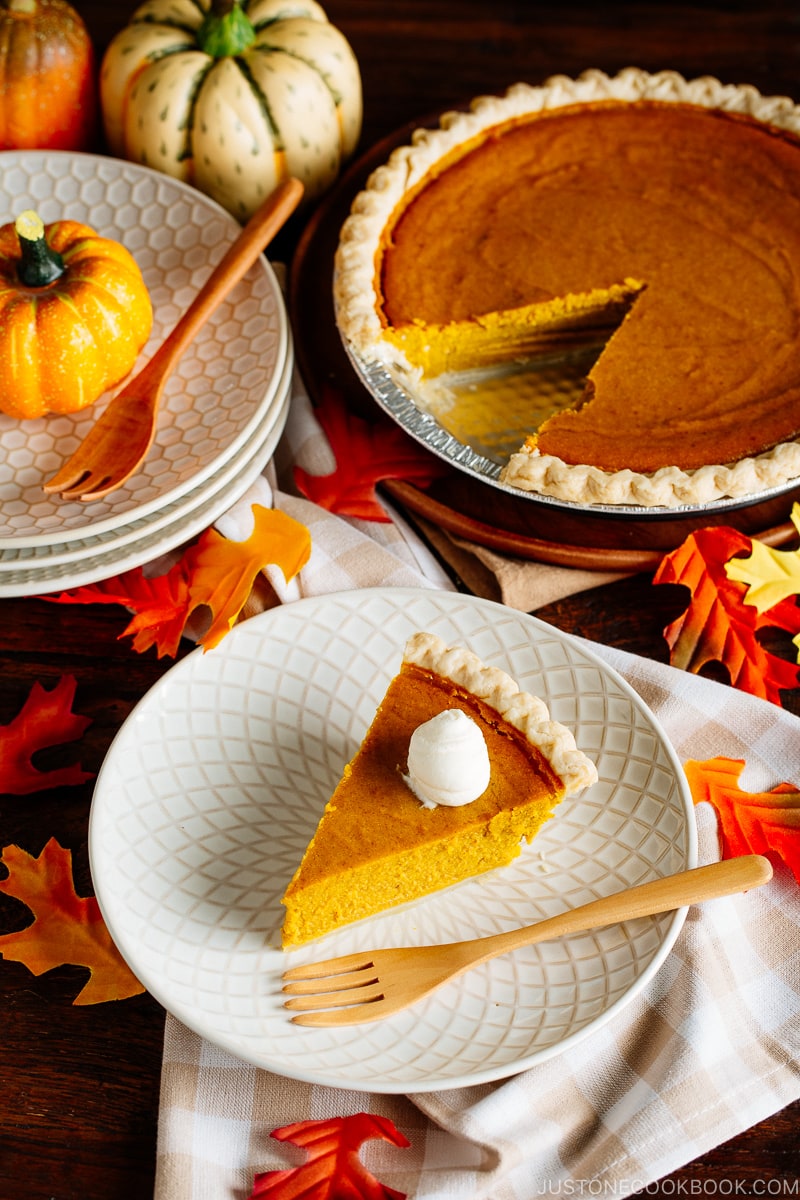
[[718, 624], [222, 572], [45, 719], [333, 1170], [66, 928], [366, 452], [214, 571], [749, 822]]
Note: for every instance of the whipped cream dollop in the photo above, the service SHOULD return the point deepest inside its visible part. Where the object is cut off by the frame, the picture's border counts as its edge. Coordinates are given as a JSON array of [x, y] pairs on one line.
[[448, 762]]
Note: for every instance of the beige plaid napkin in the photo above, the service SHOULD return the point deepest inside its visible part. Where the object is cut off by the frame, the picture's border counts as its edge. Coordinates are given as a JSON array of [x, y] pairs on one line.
[[710, 1048]]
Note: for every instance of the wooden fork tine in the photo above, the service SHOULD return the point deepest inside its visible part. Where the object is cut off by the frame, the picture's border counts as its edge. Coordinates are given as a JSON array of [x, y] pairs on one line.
[[82, 488], [67, 478], [95, 488], [70, 487], [337, 1017], [78, 464], [333, 983], [353, 997], [331, 966], [76, 480]]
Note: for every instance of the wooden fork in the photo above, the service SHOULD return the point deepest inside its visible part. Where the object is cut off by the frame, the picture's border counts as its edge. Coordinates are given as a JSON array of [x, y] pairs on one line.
[[374, 984], [120, 439]]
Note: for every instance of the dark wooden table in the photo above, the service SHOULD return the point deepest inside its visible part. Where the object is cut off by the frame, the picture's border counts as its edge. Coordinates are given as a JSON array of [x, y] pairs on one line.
[[79, 1085]]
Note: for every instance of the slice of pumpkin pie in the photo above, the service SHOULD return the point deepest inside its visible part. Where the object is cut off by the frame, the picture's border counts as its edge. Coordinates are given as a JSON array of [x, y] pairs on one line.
[[457, 769]]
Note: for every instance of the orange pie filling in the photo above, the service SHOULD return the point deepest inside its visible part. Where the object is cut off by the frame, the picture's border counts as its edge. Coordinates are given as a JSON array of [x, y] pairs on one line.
[[701, 207]]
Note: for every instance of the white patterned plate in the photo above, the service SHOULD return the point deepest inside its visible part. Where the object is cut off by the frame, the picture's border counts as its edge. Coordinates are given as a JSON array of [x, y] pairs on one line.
[[213, 787], [103, 564], [46, 557], [223, 382]]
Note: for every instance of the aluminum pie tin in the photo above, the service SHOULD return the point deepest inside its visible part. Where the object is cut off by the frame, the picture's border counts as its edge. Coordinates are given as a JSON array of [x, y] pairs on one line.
[[477, 492], [765, 506]]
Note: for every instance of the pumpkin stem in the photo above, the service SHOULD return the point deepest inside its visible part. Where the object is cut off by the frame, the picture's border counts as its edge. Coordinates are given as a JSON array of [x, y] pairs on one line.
[[39, 264], [226, 30]]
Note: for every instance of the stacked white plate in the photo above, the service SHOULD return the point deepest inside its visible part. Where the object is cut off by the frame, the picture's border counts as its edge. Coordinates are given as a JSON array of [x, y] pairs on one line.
[[224, 408]]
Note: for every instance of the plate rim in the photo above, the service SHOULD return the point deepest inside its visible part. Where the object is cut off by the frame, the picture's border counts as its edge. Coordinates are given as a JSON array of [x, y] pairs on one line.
[[194, 1020], [125, 535], [186, 526]]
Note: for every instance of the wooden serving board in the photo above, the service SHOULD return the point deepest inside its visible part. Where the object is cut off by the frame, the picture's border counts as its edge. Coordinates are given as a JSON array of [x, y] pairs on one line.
[[458, 503]]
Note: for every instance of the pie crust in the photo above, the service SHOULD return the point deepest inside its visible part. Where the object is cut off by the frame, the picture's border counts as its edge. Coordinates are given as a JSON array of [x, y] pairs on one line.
[[358, 302], [526, 712]]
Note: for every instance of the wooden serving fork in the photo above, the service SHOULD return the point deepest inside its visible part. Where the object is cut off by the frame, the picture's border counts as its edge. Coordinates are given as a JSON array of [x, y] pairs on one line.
[[120, 440], [374, 984]]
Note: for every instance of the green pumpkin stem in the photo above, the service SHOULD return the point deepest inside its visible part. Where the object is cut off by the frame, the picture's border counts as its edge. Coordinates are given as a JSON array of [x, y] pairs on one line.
[[226, 30], [39, 264]]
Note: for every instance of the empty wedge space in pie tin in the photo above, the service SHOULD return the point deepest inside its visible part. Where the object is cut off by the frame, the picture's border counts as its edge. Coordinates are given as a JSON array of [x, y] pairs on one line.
[[475, 489]]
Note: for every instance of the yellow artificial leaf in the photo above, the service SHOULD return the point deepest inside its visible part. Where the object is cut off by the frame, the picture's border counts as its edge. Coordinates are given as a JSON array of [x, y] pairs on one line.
[[771, 575]]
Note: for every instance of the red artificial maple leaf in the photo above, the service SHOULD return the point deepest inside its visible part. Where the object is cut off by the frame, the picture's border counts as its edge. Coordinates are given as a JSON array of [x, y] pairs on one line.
[[718, 625], [366, 452], [333, 1170], [749, 822], [215, 572], [45, 719], [67, 928], [160, 605]]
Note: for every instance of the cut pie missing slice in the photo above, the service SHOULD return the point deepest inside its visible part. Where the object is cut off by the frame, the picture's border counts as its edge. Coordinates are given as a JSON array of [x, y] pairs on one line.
[[377, 845], [468, 246]]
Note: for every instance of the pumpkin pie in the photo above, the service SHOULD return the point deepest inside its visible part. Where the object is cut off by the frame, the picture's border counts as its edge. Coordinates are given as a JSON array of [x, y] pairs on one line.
[[662, 212], [377, 845]]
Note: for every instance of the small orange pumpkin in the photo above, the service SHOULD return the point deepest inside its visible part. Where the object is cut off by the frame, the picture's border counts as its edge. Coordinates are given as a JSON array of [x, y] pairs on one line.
[[74, 314], [48, 83]]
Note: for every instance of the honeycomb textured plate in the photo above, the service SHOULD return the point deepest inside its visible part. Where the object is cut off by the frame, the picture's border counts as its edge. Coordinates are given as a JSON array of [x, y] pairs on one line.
[[214, 785], [221, 386], [48, 562], [38, 575]]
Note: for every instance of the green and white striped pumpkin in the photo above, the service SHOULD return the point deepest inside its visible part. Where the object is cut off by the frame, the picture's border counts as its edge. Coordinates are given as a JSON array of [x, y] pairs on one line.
[[233, 97]]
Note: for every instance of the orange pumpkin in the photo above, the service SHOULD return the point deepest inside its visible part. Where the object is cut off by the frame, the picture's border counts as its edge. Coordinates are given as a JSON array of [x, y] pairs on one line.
[[74, 314], [48, 84]]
